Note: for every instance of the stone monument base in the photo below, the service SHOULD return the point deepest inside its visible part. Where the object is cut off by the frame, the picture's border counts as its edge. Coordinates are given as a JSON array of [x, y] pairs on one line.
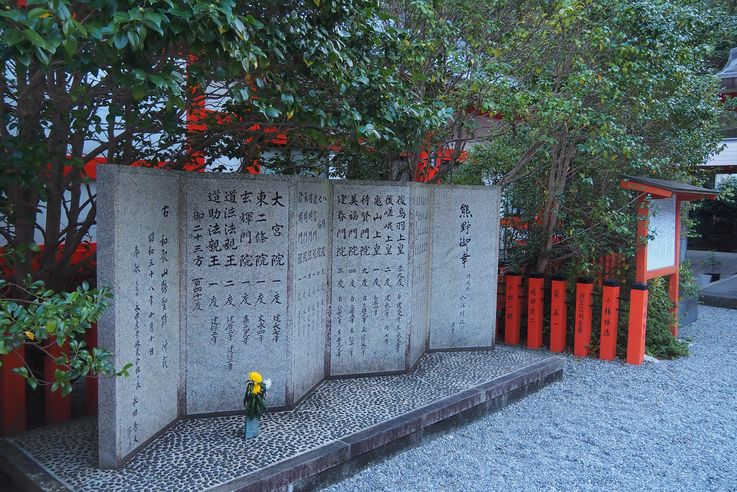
[[343, 424]]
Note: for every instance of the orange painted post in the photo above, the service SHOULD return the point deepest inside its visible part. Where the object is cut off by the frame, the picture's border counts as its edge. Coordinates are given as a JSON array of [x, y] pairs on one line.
[[513, 309], [558, 313], [674, 278], [609, 320], [12, 394], [673, 294], [643, 222], [91, 388], [58, 408], [637, 324], [535, 300], [500, 304], [582, 335]]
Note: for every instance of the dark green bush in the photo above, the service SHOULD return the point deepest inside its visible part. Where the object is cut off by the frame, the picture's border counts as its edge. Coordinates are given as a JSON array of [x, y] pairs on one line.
[[660, 342]]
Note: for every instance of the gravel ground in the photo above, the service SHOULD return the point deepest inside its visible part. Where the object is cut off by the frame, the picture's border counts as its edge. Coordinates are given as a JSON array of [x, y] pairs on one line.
[[670, 425]]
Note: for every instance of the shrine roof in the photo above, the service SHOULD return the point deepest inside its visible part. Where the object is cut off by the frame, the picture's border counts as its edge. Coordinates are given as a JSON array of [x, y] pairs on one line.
[[665, 188]]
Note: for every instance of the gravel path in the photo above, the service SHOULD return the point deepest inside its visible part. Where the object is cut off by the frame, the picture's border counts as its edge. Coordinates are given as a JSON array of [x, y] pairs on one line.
[[670, 426]]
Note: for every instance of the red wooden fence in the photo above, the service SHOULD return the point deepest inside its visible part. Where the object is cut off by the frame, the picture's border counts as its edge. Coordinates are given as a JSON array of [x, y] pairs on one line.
[[57, 408], [583, 322]]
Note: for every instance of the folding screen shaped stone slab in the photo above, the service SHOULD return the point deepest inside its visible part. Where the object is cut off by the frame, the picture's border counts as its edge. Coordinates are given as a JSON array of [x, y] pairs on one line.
[[215, 275]]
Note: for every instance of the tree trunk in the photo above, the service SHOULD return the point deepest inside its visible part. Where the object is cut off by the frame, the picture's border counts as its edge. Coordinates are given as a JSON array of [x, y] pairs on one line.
[[24, 197], [557, 180]]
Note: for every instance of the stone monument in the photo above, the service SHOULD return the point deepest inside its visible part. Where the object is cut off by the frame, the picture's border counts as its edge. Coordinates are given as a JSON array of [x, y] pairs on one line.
[[297, 278]]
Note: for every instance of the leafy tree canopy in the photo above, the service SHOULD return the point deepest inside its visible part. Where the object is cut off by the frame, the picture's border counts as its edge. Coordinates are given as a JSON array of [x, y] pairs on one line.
[[586, 92], [125, 81]]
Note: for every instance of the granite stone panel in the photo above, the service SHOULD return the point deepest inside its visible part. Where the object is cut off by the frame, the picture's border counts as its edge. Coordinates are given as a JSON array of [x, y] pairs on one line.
[[297, 278], [371, 277], [138, 237], [464, 267], [237, 254], [420, 221], [310, 257]]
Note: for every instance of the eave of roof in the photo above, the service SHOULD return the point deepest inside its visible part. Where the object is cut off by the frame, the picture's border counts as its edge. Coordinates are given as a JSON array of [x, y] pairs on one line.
[[665, 188]]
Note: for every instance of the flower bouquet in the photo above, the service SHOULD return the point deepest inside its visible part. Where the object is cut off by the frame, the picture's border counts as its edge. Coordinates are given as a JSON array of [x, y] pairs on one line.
[[254, 402]]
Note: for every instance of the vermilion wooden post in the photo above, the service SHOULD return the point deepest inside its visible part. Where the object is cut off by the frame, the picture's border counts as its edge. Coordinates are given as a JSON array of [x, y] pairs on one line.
[[673, 280], [91, 388], [558, 313], [582, 334], [12, 394], [513, 309], [637, 324], [609, 320], [535, 300], [57, 408], [643, 221], [500, 288]]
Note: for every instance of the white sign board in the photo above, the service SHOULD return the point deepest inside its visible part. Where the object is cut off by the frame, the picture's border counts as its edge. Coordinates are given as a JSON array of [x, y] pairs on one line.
[[661, 246]]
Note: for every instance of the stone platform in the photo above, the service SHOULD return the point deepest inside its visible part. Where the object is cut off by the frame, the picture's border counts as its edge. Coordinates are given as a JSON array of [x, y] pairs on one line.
[[342, 423], [722, 293]]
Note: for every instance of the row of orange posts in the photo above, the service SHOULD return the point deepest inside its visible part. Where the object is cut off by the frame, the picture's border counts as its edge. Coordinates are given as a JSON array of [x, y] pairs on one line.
[[13, 388], [583, 315]]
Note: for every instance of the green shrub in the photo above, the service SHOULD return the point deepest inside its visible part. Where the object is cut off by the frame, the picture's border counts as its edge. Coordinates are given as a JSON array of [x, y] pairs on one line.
[[660, 342], [34, 314], [688, 287]]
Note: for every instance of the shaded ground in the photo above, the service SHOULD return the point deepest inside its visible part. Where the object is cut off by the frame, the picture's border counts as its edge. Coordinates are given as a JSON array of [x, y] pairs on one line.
[[670, 425]]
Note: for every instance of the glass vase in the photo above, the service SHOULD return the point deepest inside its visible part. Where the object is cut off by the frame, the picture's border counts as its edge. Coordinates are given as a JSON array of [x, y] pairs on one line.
[[252, 427]]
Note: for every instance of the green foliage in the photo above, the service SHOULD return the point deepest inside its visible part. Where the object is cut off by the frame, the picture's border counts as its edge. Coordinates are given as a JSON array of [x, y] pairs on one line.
[[688, 286], [659, 341], [87, 79], [39, 316], [590, 91]]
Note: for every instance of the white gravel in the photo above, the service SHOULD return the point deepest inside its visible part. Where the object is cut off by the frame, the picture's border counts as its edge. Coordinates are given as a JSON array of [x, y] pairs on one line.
[[669, 426]]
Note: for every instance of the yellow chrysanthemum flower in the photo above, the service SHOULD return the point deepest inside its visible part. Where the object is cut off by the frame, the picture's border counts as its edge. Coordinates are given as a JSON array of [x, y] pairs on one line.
[[256, 389], [255, 377], [30, 335]]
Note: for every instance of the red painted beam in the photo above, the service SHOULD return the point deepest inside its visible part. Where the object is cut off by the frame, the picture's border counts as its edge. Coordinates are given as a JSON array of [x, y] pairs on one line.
[[643, 188]]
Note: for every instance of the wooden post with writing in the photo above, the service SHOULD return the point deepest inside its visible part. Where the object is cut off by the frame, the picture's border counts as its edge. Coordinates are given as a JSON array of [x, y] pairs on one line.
[[535, 303], [558, 318], [582, 334], [609, 320], [513, 308]]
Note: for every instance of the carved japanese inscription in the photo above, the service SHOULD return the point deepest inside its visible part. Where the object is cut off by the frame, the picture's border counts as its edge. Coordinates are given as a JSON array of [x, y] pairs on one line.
[[371, 294], [236, 257]]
